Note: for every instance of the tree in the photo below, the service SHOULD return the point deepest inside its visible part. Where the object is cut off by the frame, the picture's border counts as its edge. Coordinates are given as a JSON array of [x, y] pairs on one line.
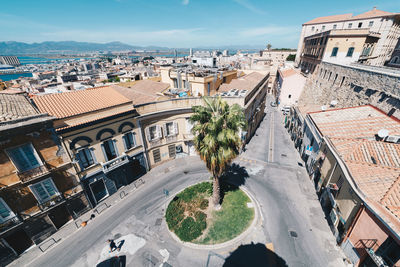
[[216, 129], [269, 46]]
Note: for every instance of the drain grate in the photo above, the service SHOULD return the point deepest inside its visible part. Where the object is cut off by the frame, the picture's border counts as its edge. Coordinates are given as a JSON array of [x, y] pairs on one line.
[[283, 155], [116, 236], [293, 233], [158, 222]]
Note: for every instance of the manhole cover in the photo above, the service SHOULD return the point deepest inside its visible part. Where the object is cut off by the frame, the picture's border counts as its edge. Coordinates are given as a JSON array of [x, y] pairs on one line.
[[116, 236], [158, 222], [293, 233], [283, 155], [150, 260]]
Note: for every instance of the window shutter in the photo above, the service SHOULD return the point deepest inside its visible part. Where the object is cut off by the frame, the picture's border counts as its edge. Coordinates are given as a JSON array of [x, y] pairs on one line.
[[78, 159], [125, 137], [134, 139], [164, 127], [115, 147], [104, 153], [91, 151], [176, 130], [159, 132], [147, 132]]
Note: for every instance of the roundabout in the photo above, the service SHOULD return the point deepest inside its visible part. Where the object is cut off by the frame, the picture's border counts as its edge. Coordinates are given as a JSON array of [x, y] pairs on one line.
[[192, 221]]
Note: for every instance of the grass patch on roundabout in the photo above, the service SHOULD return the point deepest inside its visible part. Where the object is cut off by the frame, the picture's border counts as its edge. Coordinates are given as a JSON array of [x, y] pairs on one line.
[[191, 217]]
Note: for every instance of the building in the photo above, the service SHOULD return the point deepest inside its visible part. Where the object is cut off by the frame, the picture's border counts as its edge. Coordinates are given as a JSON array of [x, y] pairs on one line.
[[10, 60], [196, 81], [341, 46], [395, 58], [165, 125], [288, 86], [100, 132], [356, 174], [381, 24], [39, 189]]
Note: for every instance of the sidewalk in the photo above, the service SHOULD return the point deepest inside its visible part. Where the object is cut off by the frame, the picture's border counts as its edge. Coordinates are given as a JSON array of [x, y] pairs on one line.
[[74, 225]]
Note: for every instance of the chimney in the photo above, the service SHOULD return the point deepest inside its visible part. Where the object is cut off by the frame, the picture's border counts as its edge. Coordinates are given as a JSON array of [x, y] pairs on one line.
[[374, 8]]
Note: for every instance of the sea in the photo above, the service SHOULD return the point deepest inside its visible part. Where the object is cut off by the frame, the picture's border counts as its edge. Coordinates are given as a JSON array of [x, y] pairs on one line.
[[9, 77]]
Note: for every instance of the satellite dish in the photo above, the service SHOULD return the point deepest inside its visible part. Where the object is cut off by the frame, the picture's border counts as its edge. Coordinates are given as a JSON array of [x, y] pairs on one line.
[[383, 133], [323, 108], [334, 103]]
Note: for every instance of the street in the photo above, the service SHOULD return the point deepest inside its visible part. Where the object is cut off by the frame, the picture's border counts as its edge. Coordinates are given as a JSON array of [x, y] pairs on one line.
[[292, 218]]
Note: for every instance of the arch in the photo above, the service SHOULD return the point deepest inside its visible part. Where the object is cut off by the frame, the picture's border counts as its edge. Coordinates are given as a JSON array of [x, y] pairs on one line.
[[77, 139], [105, 130], [127, 123]]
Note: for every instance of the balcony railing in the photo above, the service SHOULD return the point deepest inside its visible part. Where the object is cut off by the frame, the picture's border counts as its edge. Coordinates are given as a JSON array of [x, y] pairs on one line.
[[51, 202], [369, 245], [34, 173], [4, 226], [115, 163]]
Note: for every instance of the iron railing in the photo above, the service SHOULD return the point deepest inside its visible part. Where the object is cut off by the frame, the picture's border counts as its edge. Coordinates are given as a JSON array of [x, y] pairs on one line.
[[115, 163]]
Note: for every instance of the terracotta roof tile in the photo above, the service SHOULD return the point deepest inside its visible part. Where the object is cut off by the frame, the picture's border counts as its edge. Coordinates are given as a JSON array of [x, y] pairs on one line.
[[247, 82], [369, 14], [68, 104], [14, 106], [355, 122]]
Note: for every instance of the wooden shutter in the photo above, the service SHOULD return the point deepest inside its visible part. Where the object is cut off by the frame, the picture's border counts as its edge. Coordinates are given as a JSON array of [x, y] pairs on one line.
[[176, 130]]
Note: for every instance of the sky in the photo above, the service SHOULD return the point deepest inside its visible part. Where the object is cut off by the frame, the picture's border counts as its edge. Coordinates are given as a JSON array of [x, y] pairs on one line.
[[172, 23]]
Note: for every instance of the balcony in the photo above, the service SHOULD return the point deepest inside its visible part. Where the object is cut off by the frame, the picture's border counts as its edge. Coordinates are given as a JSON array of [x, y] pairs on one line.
[[51, 202], [369, 245], [34, 173], [4, 226], [115, 163]]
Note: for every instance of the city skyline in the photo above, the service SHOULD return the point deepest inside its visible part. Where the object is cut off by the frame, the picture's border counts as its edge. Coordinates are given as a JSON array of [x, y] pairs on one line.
[[178, 23]]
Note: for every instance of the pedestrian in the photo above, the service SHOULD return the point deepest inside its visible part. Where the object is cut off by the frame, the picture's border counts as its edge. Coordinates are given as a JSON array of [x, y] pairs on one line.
[[112, 244]]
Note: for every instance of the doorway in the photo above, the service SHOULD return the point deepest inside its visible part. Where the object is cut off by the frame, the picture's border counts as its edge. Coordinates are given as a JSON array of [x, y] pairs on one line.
[[99, 190], [59, 216]]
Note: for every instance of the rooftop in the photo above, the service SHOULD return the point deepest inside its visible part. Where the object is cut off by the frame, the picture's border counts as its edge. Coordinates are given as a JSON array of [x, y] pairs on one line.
[[247, 82], [288, 72], [143, 91], [354, 122], [375, 167], [374, 13], [14, 107], [69, 104]]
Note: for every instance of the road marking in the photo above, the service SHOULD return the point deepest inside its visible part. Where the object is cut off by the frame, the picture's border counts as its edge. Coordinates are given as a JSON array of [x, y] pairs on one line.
[[271, 139], [270, 246]]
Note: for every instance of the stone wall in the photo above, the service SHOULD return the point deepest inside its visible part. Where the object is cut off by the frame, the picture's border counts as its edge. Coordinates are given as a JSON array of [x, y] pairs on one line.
[[353, 85]]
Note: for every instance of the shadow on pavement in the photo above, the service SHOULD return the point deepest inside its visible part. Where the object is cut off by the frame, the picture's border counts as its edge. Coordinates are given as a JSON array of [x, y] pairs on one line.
[[234, 177], [113, 261], [254, 255]]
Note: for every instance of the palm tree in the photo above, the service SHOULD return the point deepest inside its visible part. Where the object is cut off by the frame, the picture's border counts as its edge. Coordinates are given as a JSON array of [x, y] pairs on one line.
[[216, 129]]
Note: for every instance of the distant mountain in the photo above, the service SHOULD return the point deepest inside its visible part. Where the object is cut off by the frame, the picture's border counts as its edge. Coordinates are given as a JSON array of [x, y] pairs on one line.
[[67, 47]]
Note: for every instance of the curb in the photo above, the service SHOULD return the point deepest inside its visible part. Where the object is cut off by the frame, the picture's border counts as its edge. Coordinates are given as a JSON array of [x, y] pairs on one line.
[[257, 213]]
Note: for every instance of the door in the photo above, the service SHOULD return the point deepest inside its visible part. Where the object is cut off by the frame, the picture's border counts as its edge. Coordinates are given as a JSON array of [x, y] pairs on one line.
[[99, 190], [19, 241], [59, 216]]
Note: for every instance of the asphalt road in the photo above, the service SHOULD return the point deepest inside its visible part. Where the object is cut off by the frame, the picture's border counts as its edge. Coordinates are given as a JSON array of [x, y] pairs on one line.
[[292, 217]]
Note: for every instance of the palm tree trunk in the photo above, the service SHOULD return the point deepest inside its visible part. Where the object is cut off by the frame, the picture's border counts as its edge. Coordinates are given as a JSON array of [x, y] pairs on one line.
[[216, 193]]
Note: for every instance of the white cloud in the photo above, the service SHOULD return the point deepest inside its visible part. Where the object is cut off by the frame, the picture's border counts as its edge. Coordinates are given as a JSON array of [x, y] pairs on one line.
[[246, 4], [185, 2]]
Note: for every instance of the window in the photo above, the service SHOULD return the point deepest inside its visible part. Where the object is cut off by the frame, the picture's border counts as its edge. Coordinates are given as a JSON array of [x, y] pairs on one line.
[[44, 190], [395, 60], [189, 126], [370, 24], [5, 211], [156, 155], [109, 150], [289, 96], [334, 51], [175, 83], [153, 133], [85, 158], [360, 25], [350, 52], [209, 88], [350, 25], [24, 157], [312, 28], [171, 151], [334, 26], [323, 28], [129, 140], [170, 128], [341, 83]]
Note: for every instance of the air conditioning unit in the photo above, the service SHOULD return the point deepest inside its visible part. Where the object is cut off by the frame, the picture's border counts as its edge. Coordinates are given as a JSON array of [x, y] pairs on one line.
[[393, 139]]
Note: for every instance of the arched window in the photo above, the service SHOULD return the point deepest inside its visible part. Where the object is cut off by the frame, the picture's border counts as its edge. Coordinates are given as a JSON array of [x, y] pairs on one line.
[[103, 133]]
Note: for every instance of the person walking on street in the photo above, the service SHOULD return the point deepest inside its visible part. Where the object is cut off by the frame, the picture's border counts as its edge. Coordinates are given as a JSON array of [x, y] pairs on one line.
[[112, 244]]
